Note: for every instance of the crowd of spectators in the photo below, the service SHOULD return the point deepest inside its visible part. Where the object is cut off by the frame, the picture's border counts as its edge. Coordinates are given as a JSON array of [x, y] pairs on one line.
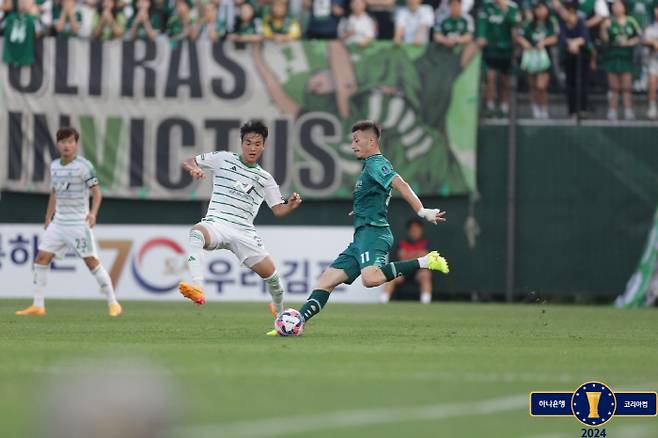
[[548, 41]]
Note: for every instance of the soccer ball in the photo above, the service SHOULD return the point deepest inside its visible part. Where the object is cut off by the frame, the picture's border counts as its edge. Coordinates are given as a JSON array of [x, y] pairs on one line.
[[289, 323]]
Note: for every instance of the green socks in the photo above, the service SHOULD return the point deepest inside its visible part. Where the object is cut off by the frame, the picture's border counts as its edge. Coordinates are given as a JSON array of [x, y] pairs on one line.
[[404, 267], [314, 303]]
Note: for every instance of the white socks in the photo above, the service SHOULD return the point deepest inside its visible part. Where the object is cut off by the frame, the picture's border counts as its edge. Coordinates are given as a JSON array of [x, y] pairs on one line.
[[39, 277], [195, 256], [276, 290], [426, 297], [105, 282]]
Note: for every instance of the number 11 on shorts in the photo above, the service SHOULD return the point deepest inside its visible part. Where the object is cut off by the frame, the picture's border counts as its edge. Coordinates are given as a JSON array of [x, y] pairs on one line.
[[365, 257]]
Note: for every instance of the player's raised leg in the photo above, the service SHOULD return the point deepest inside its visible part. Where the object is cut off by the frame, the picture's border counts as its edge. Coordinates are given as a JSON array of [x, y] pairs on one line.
[[329, 279], [267, 271], [199, 240], [39, 281], [373, 276], [105, 283]]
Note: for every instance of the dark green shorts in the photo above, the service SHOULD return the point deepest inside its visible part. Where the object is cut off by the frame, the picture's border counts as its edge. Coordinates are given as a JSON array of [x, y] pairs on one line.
[[370, 247]]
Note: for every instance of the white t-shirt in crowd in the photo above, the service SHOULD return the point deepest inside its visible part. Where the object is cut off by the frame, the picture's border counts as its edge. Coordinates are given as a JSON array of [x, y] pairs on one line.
[[411, 21], [363, 28]]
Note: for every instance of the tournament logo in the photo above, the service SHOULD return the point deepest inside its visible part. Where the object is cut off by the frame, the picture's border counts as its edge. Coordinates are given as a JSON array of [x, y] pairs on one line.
[[158, 264], [593, 404]]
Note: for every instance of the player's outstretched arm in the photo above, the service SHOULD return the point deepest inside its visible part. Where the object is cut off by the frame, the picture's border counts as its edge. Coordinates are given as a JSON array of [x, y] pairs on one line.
[[50, 211], [193, 168], [293, 202], [96, 199], [433, 215]]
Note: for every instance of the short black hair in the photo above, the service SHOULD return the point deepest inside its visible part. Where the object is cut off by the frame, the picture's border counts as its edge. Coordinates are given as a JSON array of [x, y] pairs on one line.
[[66, 132], [571, 6], [414, 221], [367, 125], [255, 126]]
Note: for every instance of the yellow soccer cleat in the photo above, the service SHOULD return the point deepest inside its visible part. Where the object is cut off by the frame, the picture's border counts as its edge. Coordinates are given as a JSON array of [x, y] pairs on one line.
[[114, 309], [32, 310], [437, 263], [192, 292], [272, 333]]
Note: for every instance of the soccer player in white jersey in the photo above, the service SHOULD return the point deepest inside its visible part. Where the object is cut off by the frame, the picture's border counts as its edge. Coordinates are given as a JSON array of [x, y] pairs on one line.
[[69, 221], [239, 187]]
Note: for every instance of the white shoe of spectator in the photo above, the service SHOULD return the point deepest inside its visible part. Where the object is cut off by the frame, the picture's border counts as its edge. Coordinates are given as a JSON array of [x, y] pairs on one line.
[[544, 113], [425, 297], [612, 114], [504, 108], [629, 114], [653, 111]]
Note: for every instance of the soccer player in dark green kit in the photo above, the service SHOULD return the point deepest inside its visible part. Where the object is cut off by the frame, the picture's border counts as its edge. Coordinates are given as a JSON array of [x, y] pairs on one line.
[[366, 255]]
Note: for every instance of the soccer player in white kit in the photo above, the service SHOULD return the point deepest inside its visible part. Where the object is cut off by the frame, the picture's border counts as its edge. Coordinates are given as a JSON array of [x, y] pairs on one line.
[[239, 187], [69, 221]]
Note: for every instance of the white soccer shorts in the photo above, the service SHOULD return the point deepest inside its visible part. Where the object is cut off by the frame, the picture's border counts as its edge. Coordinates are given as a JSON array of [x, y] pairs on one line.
[[247, 245], [58, 238]]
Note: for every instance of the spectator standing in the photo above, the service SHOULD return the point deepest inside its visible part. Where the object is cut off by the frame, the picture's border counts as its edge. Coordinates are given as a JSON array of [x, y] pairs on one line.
[[651, 40], [497, 23], [359, 28], [180, 24], [456, 29], [443, 10], [413, 246], [536, 37], [247, 29], [207, 25], [622, 34], [575, 52], [226, 12], [323, 18], [142, 24], [383, 12], [110, 22], [66, 18], [413, 23], [278, 25]]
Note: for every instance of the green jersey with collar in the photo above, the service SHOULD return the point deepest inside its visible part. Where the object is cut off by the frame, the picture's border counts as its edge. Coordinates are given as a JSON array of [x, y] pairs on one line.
[[372, 192]]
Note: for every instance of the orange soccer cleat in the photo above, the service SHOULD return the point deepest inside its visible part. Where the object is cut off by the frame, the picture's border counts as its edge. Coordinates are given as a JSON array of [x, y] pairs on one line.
[[32, 310], [114, 309], [192, 292]]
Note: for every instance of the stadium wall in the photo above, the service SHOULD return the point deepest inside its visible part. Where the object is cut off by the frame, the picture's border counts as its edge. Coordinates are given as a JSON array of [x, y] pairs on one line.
[[585, 199]]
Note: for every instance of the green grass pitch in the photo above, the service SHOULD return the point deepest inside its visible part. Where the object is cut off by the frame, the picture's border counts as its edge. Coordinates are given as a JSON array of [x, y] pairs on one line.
[[400, 370]]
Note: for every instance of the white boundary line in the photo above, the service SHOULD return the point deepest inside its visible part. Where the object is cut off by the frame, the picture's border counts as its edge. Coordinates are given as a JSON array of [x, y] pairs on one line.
[[272, 427]]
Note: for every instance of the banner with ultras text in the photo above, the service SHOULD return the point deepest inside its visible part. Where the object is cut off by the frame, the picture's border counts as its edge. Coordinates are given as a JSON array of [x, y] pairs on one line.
[[143, 106], [147, 262]]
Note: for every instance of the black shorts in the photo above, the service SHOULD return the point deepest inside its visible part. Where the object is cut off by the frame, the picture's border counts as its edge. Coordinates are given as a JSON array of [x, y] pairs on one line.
[[501, 65]]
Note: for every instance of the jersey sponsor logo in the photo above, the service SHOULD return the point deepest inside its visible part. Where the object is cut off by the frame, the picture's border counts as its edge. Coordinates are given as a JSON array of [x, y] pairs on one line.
[[243, 187], [62, 186]]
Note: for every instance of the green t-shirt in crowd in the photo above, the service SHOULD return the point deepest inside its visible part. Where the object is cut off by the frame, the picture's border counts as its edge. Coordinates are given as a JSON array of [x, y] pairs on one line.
[[20, 31], [497, 26], [535, 31], [453, 26], [618, 34]]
